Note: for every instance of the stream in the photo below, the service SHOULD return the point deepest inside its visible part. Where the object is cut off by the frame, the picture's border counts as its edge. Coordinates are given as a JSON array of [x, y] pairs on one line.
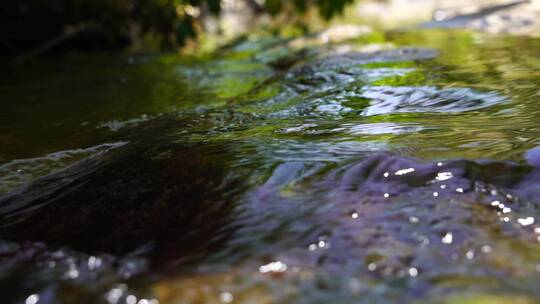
[[396, 167]]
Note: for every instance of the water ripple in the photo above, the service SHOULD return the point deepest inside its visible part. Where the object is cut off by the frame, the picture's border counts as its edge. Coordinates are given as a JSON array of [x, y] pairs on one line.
[[20, 171], [388, 100]]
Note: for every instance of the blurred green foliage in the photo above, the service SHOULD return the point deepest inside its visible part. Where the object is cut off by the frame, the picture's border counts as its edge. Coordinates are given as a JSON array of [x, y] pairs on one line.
[[99, 24], [25, 23], [327, 8]]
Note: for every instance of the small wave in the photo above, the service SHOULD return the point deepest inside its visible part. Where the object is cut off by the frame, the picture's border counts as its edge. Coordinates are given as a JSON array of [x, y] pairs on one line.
[[358, 58], [116, 124], [384, 128], [20, 171], [388, 100]]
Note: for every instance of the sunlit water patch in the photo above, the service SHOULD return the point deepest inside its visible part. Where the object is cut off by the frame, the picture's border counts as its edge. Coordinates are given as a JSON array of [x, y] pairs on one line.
[[353, 129], [227, 77], [374, 74], [388, 100], [319, 87]]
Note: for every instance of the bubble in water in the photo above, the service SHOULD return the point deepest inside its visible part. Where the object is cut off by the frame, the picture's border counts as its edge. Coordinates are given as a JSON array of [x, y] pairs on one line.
[[226, 297], [448, 238], [131, 299], [277, 266], [32, 299], [526, 221]]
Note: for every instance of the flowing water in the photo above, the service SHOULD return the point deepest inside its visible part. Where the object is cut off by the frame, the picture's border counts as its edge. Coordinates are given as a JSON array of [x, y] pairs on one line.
[[399, 167]]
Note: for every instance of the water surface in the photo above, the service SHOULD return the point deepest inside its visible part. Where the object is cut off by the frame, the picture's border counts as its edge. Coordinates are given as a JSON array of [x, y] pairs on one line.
[[398, 167]]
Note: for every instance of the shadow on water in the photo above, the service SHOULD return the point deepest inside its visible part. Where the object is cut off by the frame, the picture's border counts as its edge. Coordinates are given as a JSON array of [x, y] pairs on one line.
[[151, 195], [144, 206]]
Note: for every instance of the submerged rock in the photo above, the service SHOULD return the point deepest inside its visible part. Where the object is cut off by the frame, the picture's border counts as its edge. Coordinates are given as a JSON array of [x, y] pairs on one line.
[[410, 227]]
